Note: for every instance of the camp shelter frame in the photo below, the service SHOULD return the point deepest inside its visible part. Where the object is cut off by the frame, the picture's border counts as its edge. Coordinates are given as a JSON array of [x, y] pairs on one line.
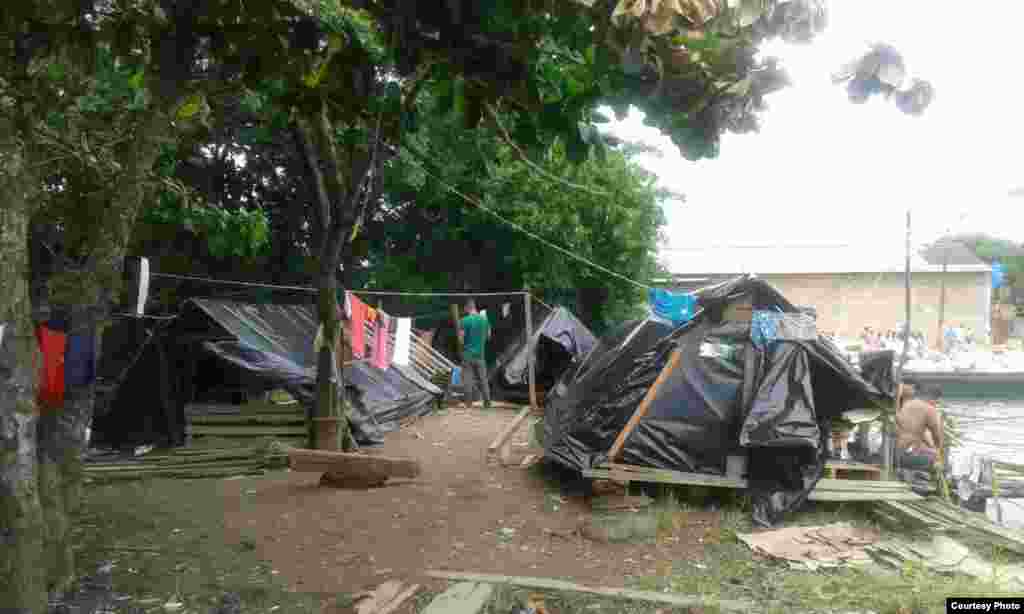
[[667, 398]]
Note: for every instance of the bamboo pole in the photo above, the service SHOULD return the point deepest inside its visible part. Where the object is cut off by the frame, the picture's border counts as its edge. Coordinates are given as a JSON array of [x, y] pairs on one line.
[[645, 404]]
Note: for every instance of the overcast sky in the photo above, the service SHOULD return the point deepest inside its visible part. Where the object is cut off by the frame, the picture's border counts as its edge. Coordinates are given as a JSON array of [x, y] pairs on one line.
[[825, 170]]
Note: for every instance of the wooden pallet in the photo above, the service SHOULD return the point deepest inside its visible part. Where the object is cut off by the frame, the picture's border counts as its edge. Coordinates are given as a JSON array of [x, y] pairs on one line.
[[849, 470], [827, 489]]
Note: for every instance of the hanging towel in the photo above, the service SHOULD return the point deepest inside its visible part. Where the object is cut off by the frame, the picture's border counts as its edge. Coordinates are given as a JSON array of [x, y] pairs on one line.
[[52, 345], [80, 363], [403, 337], [358, 320], [674, 308], [381, 358]]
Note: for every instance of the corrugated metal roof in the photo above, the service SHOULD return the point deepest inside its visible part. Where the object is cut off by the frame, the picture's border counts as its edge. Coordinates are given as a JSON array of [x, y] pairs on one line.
[[797, 259]]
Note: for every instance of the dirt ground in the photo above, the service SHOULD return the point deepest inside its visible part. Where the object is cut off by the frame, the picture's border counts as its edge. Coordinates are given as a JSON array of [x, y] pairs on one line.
[[463, 514]]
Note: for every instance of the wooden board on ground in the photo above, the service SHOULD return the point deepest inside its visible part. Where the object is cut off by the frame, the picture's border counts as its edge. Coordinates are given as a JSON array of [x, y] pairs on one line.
[[386, 598], [825, 490], [500, 443], [241, 419], [618, 593], [246, 431], [357, 466], [461, 598]]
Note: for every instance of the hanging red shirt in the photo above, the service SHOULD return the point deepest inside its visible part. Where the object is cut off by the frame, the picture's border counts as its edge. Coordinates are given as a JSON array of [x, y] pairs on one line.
[[52, 345]]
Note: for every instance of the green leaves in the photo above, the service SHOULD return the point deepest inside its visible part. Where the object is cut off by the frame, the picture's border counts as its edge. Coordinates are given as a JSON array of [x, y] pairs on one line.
[[243, 233], [190, 107]]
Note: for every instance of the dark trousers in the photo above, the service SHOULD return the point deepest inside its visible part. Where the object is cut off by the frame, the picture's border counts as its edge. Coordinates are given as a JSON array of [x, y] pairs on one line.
[[474, 376]]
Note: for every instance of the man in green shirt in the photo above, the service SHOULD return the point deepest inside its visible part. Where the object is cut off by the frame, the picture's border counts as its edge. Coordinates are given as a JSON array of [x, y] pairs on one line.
[[474, 331]]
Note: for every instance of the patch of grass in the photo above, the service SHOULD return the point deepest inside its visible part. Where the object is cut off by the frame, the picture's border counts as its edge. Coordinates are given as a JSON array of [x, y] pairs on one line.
[[167, 541], [507, 598]]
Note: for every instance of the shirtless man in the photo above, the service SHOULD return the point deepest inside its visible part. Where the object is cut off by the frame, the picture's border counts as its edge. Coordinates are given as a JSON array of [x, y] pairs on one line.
[[918, 432]]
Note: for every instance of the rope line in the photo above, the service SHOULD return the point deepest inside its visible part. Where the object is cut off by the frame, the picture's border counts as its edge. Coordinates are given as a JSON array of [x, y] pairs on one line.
[[476, 203]]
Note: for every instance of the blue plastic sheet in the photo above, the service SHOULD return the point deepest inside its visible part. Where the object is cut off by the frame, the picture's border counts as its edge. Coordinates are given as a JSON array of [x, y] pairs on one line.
[[675, 308]]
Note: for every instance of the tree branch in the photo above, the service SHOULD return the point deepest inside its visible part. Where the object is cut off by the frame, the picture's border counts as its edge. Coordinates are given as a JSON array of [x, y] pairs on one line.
[[526, 160]]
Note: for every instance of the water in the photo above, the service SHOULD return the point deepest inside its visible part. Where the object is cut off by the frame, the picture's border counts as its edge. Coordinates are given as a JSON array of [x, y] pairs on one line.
[[994, 429]]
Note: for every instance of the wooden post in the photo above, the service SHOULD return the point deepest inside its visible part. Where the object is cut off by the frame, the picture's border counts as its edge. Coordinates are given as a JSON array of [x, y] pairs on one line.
[[531, 351], [455, 322], [641, 410]]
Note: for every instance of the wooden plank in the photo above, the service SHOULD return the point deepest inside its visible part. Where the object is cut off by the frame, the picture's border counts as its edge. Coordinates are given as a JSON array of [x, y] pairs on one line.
[[288, 418], [852, 466], [861, 485], [191, 474], [645, 404], [618, 593], [246, 431], [160, 468], [399, 600], [346, 463], [509, 430], [826, 490], [665, 476], [461, 598], [875, 495]]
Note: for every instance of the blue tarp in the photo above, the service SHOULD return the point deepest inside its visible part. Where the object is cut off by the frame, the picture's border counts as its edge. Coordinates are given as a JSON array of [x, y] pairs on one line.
[[670, 307]]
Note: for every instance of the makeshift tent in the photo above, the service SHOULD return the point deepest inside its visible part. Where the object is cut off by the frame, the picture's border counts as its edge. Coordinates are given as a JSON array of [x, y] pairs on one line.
[[227, 351], [712, 387], [558, 340]]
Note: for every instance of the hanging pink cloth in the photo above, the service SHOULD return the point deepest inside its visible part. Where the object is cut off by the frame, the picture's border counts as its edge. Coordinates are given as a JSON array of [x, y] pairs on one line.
[[381, 356], [358, 322]]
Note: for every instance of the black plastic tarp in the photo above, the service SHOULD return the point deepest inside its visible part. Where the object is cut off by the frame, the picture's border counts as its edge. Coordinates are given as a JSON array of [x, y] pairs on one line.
[[557, 341], [725, 394]]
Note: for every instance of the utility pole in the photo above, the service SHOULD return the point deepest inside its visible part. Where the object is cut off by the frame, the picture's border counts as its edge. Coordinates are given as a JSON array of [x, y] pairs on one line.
[[942, 296]]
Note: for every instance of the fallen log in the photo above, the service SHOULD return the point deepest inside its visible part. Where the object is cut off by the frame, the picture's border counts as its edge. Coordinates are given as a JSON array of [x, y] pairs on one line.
[[346, 465]]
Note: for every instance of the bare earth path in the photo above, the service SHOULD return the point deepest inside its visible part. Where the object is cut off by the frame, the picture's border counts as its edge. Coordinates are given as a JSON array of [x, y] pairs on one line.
[[327, 540]]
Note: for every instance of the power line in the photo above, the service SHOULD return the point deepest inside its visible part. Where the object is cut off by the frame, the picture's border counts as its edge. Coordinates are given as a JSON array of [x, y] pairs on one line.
[[397, 293], [479, 205], [251, 284], [226, 282]]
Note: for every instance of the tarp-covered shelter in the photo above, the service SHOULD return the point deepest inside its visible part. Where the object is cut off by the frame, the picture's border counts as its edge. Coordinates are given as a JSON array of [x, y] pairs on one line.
[[741, 377], [558, 339], [223, 351]]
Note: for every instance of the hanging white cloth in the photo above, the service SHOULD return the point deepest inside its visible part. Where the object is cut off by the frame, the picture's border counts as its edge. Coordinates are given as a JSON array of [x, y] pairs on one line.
[[403, 337]]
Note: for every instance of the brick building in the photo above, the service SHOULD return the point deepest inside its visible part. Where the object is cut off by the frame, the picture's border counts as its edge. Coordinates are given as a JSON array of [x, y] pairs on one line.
[[853, 286]]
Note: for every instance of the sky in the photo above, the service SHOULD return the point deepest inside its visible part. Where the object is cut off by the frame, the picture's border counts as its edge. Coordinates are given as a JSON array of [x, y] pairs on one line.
[[823, 170]]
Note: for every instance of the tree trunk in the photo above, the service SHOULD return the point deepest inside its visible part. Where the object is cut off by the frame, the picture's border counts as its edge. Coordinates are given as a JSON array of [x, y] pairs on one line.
[[89, 294], [22, 573], [331, 405]]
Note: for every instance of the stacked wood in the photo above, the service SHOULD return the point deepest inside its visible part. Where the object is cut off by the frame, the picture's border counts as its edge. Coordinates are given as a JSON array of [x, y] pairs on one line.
[[185, 463], [247, 422]]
